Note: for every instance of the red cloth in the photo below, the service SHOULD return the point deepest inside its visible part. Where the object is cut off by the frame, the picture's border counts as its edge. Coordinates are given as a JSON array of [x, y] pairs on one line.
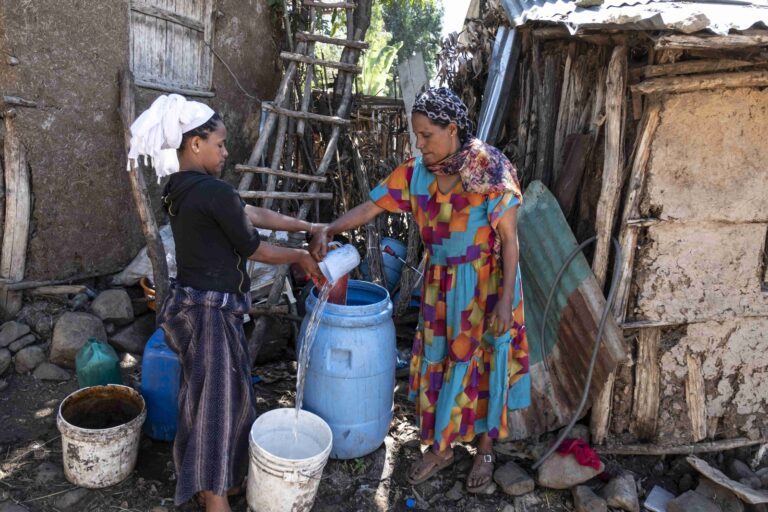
[[584, 453]]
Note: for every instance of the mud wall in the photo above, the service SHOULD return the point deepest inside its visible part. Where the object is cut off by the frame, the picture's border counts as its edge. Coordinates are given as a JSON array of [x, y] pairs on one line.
[[66, 57], [702, 267]]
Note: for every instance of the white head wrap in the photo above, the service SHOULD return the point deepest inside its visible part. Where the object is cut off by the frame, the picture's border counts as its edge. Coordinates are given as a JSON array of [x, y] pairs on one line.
[[158, 131]]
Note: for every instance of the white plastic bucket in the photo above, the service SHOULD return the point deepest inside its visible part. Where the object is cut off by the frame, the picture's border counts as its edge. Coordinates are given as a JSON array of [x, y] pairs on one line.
[[283, 475], [100, 430], [339, 262]]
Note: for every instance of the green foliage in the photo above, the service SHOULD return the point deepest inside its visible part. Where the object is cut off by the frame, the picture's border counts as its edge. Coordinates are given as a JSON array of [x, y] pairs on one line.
[[378, 59], [417, 24], [356, 467]]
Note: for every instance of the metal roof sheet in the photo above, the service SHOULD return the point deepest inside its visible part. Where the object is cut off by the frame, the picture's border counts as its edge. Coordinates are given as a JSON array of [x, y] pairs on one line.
[[719, 17]]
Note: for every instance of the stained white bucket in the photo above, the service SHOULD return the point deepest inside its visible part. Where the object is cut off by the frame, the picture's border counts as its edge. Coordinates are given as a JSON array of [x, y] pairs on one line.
[[339, 262], [100, 430], [283, 474]]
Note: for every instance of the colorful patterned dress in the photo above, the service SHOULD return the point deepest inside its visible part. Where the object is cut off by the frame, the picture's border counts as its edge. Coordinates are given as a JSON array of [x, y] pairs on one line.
[[463, 378]]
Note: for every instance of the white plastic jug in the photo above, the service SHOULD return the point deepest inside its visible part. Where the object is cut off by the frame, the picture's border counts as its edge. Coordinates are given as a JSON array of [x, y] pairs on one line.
[[339, 262]]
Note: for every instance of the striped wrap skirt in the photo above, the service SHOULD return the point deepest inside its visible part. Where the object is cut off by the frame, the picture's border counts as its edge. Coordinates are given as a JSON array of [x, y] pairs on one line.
[[216, 402]]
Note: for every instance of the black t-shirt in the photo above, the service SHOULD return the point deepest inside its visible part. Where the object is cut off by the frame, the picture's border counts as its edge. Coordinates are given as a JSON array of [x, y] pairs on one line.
[[213, 235]]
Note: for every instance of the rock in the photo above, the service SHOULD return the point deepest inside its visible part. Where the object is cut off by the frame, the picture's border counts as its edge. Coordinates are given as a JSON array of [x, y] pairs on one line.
[[113, 306], [686, 483], [158, 509], [691, 501], [79, 302], [71, 498], [621, 492], [739, 470], [47, 472], [725, 498], [513, 480], [70, 334], [509, 508], [27, 359], [22, 342], [456, 492], [578, 431], [49, 371], [489, 489], [11, 331], [558, 472], [753, 482], [133, 338], [3, 384], [10, 506], [5, 359], [585, 500], [762, 474]]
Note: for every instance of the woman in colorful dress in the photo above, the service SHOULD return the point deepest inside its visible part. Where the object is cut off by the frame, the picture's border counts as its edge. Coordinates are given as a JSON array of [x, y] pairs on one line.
[[469, 362]]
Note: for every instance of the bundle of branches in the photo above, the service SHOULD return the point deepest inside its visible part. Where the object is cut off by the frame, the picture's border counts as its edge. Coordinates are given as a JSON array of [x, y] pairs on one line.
[[465, 57]]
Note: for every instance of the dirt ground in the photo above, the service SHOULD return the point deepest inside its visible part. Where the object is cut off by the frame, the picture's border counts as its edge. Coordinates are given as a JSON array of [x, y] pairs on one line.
[[29, 438]]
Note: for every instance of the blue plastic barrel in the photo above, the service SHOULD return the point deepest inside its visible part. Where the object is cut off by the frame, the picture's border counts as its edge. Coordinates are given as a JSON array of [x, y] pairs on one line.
[[160, 377], [393, 267], [350, 382]]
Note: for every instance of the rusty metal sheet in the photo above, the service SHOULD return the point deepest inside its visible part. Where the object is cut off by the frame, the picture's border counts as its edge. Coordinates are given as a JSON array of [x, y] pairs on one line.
[[571, 326]]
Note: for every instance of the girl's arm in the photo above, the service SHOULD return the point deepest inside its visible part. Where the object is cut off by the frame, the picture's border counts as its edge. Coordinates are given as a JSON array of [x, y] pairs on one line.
[[265, 218]]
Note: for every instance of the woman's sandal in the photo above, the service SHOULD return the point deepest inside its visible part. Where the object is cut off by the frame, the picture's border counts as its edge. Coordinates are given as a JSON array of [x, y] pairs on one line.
[[483, 468], [438, 463]]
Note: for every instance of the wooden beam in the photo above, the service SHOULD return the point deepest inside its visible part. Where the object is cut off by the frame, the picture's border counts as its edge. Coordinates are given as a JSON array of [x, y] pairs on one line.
[[174, 89], [296, 57], [15, 101], [643, 222], [757, 78], [255, 194], [62, 289], [654, 449], [628, 232], [18, 204], [155, 248], [687, 67], [305, 36], [728, 42], [281, 173], [330, 5], [308, 116], [613, 165], [695, 397], [601, 411], [645, 405], [164, 14]]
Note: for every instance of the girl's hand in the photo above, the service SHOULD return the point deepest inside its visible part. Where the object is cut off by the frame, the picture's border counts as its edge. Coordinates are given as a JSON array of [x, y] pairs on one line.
[[309, 265], [321, 237], [501, 319]]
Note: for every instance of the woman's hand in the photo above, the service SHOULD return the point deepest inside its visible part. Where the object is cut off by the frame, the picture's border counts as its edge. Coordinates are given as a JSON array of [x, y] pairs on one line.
[[309, 265], [501, 319], [321, 237]]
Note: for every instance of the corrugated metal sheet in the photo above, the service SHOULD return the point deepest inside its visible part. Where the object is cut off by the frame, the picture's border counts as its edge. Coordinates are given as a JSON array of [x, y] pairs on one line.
[[717, 16], [571, 326], [498, 87]]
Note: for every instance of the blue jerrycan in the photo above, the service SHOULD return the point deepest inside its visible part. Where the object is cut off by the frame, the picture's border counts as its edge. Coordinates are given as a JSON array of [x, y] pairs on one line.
[[160, 378]]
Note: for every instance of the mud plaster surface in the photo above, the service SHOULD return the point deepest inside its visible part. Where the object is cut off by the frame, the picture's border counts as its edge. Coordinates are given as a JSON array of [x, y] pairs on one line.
[[734, 363], [694, 272], [709, 157]]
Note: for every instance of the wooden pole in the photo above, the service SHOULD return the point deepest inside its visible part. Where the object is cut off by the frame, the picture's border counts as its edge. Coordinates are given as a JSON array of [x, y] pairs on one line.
[[615, 108], [18, 204], [686, 449], [155, 249], [645, 406], [727, 42], [613, 165], [695, 397], [628, 233], [680, 84]]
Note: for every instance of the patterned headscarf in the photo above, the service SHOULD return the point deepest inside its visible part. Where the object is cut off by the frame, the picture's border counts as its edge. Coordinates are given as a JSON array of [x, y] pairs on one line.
[[483, 168], [443, 105]]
